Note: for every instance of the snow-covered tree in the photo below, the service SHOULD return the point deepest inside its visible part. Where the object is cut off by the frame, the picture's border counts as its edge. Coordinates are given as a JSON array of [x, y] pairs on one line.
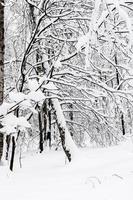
[[1, 65], [72, 64]]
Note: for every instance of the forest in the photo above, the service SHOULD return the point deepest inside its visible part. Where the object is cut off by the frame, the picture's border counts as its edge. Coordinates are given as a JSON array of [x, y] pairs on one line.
[[66, 94]]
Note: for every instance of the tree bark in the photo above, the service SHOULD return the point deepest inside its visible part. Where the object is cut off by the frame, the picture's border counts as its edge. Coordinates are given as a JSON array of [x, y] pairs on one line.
[[68, 144], [1, 64], [71, 119], [8, 139], [13, 153], [49, 123], [121, 114], [41, 132]]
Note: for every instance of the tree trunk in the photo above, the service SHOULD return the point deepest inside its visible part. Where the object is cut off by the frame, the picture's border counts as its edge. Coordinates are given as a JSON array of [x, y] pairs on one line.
[[123, 124], [8, 139], [49, 123], [71, 118], [40, 132], [1, 145], [68, 144], [1, 64], [121, 114], [13, 153]]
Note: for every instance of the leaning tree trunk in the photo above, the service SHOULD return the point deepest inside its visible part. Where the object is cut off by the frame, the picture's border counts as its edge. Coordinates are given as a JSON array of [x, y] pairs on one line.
[[68, 144], [121, 113], [1, 64]]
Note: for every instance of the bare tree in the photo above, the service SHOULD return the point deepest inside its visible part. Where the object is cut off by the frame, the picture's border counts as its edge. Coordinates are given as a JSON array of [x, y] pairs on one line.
[[1, 64]]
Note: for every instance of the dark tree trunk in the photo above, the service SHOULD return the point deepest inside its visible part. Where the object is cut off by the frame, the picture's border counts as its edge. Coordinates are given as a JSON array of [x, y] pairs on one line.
[[1, 145], [71, 118], [8, 139], [44, 110], [49, 121], [121, 114], [45, 127], [1, 64], [41, 132], [123, 124], [13, 153]]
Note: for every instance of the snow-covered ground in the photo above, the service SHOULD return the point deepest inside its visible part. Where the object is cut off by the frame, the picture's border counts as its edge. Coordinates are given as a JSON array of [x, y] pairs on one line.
[[98, 174]]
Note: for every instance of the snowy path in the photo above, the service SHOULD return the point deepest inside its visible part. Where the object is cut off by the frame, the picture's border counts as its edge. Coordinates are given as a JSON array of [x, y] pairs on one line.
[[99, 174]]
